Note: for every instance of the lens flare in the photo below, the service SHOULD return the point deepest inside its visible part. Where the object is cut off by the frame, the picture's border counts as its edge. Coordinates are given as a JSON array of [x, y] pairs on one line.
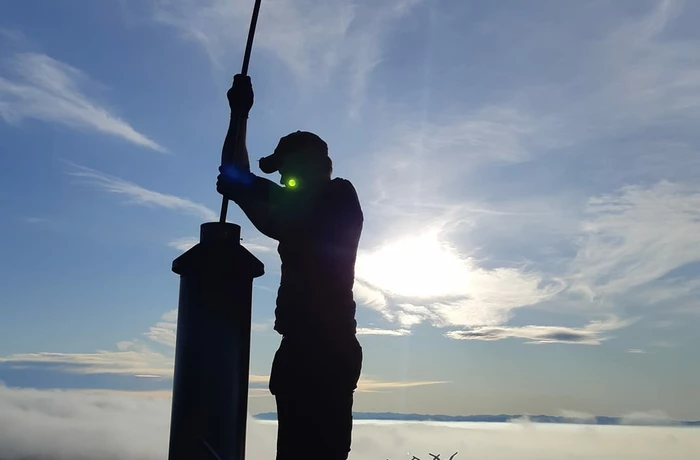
[[291, 183]]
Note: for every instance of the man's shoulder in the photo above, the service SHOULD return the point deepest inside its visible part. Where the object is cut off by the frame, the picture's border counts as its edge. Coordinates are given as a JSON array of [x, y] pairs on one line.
[[341, 187], [342, 191]]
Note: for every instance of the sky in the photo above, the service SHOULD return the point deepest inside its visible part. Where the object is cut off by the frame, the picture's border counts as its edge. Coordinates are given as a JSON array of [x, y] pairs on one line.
[[528, 173]]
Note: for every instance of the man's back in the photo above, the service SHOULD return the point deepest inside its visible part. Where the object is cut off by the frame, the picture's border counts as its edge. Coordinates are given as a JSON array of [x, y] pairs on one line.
[[315, 298]]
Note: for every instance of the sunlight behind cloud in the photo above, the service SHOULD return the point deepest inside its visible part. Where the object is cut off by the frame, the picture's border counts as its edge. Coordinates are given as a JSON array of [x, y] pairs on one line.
[[420, 267], [422, 278]]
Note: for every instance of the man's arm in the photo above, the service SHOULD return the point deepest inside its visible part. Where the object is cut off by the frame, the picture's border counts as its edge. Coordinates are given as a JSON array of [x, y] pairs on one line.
[[240, 97], [236, 182], [256, 197], [239, 157]]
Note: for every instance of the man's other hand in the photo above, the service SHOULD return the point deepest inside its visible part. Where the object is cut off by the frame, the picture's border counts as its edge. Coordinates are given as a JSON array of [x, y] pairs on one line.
[[240, 95], [233, 181]]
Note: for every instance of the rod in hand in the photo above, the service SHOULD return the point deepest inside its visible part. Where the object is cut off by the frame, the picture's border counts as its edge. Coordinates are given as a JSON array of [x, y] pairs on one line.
[[244, 71]]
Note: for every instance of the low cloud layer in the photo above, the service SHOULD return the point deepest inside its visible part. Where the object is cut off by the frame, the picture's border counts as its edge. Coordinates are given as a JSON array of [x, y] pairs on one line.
[[146, 364], [73, 425]]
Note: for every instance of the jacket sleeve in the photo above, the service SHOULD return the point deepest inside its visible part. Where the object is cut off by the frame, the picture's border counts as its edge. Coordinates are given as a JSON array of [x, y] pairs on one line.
[[259, 199]]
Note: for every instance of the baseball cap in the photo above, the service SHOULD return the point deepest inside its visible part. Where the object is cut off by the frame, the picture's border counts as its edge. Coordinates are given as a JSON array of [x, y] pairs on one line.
[[298, 141]]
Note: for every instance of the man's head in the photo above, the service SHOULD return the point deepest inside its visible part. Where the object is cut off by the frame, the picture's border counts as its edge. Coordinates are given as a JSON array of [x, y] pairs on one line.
[[301, 159]]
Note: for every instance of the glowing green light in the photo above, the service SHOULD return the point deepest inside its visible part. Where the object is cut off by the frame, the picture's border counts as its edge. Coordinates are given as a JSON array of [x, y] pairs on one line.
[[292, 183]]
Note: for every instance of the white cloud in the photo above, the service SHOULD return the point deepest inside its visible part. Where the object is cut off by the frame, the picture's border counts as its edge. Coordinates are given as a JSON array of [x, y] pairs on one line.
[[13, 35], [423, 162], [655, 417], [377, 331], [80, 425], [425, 278], [50, 90], [131, 361], [591, 334], [647, 75], [578, 416], [314, 39], [409, 315], [636, 351], [170, 316], [370, 297], [164, 331], [370, 385], [261, 327], [132, 357], [142, 196], [187, 242], [137, 358], [634, 237], [257, 247], [184, 244]]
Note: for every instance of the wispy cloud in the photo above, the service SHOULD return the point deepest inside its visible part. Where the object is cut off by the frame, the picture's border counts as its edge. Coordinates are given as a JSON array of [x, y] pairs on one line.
[[49, 90], [140, 360], [13, 35], [422, 162], [635, 237], [184, 244], [370, 297], [255, 246], [163, 332], [378, 331], [314, 40], [655, 417], [140, 195], [131, 357], [591, 334], [370, 385], [627, 247], [36, 220], [262, 327], [258, 246]]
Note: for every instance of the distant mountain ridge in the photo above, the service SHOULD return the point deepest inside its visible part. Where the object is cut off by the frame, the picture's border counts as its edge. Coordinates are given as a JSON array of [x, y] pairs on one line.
[[503, 418]]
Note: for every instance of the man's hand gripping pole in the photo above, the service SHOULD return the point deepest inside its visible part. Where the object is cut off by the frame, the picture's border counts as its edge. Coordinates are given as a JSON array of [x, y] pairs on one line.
[[225, 159]]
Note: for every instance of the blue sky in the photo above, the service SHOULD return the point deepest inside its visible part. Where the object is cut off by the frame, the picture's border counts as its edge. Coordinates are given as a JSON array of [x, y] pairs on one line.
[[528, 172]]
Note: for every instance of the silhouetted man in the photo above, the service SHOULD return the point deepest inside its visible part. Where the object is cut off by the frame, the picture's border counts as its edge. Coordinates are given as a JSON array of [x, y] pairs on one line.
[[317, 221]]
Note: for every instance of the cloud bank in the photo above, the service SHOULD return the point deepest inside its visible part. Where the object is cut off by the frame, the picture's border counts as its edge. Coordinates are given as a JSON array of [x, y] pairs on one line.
[[73, 425]]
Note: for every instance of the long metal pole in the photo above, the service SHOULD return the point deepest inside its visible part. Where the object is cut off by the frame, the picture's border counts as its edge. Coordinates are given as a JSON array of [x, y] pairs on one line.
[[244, 71]]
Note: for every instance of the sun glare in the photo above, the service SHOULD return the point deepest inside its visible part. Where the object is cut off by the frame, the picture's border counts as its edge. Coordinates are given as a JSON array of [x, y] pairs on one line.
[[420, 267]]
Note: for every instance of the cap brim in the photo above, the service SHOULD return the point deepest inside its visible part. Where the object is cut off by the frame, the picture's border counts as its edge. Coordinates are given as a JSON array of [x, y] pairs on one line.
[[269, 164]]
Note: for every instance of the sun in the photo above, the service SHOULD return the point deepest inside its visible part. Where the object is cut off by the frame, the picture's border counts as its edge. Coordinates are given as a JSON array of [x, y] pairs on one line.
[[420, 266]]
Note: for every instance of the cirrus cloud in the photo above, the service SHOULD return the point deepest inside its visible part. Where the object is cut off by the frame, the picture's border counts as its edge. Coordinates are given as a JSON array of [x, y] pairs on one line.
[[49, 90]]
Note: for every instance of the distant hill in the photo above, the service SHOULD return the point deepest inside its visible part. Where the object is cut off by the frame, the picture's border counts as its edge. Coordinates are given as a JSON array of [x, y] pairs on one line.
[[503, 418]]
